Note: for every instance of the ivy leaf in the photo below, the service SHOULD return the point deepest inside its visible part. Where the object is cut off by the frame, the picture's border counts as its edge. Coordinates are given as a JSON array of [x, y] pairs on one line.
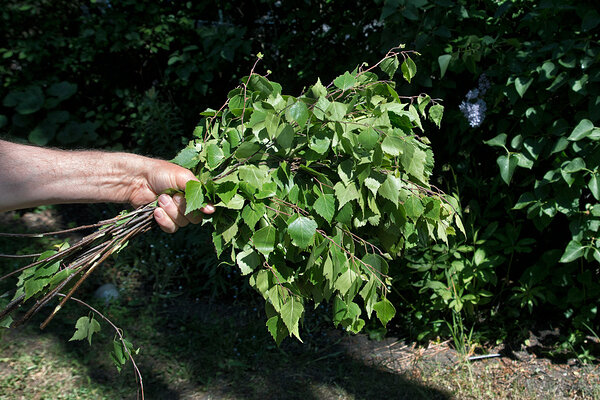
[[344, 82], [264, 240], [507, 164], [385, 311], [291, 312], [409, 69], [302, 231], [194, 196], [436, 112], [325, 206], [85, 328], [573, 251]]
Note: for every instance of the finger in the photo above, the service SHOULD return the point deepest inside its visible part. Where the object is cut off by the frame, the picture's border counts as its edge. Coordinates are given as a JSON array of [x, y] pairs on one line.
[[167, 203], [164, 221]]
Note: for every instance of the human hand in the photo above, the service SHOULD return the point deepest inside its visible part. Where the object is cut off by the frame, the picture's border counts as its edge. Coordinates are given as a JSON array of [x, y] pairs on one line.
[[157, 176]]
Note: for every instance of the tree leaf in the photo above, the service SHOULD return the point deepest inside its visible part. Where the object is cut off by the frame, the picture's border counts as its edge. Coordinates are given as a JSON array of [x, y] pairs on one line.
[[214, 155], [409, 69], [291, 312], [85, 328], [298, 112], [368, 138], [302, 231], [187, 158], [247, 261], [194, 196], [385, 311], [264, 240], [390, 65], [390, 189], [344, 82], [345, 194], [277, 329], [325, 206], [436, 112]]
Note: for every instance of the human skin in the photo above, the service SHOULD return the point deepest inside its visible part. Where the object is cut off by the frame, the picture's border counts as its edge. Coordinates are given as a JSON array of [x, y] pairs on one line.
[[32, 176]]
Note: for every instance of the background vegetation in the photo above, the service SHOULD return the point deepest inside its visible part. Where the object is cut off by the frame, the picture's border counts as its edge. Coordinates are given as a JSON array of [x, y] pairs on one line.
[[522, 153]]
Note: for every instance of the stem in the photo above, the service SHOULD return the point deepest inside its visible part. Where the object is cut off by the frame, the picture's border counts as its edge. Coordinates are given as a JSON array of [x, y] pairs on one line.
[[118, 331]]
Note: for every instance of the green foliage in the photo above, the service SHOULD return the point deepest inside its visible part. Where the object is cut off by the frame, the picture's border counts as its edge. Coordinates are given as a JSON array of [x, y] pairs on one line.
[[541, 126], [301, 186]]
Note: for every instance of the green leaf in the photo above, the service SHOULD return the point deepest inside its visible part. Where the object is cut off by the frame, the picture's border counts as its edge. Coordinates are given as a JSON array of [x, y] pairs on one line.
[[25, 101], [344, 82], [390, 65], [291, 312], [345, 194], [392, 145], [594, 186], [325, 206], [246, 150], [318, 89], [443, 61], [436, 112], [302, 231], [247, 261], [522, 84], [409, 69], [85, 328], [187, 158], [345, 281], [582, 130], [298, 112], [214, 155], [385, 311], [252, 213], [573, 251], [62, 90], [390, 189], [368, 138], [194, 196], [264, 240], [507, 165], [277, 329], [499, 140]]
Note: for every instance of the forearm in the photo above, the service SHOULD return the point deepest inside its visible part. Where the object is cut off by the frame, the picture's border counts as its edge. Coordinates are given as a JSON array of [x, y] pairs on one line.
[[32, 176]]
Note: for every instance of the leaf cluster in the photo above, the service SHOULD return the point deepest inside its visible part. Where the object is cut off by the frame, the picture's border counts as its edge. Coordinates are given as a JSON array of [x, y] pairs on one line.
[[316, 193]]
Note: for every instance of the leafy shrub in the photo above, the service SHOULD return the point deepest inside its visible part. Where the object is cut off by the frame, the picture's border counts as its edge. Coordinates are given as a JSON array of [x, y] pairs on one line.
[[530, 151]]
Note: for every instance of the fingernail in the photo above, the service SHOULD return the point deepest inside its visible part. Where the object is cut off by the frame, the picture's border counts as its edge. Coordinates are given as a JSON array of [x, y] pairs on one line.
[[159, 213], [163, 199]]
